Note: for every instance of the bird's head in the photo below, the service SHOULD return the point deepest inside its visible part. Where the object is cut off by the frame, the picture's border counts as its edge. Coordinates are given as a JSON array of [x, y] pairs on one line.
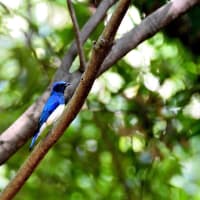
[[60, 86]]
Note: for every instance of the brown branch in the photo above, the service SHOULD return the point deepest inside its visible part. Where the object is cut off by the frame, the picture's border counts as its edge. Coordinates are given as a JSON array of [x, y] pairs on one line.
[[84, 34], [77, 33], [17, 134], [99, 53], [147, 28], [23, 128]]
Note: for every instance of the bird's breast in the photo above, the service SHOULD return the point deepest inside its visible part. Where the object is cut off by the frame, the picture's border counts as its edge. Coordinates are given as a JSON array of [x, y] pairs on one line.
[[55, 114]]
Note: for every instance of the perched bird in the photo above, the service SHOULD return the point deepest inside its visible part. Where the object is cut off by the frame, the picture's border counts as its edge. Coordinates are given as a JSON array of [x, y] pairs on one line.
[[52, 110]]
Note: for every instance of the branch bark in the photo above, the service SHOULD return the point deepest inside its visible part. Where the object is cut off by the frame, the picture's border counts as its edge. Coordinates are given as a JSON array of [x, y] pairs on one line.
[[16, 135], [148, 27], [23, 128], [99, 53], [86, 31]]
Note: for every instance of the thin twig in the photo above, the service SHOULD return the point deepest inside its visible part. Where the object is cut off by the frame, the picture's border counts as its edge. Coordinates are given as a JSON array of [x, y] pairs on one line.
[[99, 53], [77, 33], [5, 8]]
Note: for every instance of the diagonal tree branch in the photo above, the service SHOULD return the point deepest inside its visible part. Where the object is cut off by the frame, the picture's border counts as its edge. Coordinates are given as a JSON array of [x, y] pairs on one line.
[[85, 32], [148, 27], [22, 129], [99, 53], [16, 135], [78, 40]]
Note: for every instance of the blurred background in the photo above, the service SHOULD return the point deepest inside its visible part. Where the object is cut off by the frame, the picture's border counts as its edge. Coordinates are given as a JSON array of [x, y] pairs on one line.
[[137, 136]]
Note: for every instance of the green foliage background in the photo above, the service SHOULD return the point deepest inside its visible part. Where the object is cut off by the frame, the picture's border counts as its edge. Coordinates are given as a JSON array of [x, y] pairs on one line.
[[137, 136]]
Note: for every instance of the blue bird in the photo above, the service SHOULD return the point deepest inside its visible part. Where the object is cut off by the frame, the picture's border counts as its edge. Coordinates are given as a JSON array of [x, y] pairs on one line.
[[52, 110]]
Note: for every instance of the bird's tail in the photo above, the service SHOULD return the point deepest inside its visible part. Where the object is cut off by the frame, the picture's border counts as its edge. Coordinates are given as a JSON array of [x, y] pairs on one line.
[[33, 141], [40, 129]]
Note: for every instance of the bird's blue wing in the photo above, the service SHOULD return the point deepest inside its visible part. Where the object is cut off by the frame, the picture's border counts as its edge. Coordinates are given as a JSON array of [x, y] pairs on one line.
[[51, 104], [49, 107]]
